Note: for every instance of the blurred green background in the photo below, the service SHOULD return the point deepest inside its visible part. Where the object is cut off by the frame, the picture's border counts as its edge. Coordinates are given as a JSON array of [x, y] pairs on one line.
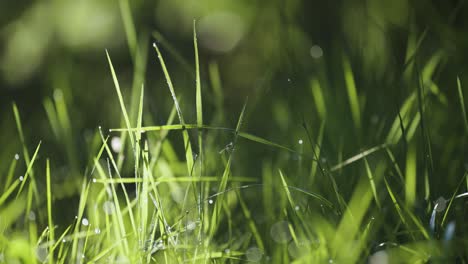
[[288, 57]]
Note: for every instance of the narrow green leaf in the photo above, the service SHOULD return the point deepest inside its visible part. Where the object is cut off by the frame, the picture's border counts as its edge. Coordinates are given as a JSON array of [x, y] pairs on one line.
[[462, 104], [121, 101], [352, 93], [49, 213]]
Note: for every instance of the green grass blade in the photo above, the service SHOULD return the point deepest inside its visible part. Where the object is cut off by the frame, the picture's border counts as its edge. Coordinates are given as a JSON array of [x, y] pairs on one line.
[[319, 100], [121, 101], [370, 175], [49, 213], [224, 180], [410, 176], [29, 169], [129, 26], [188, 147], [357, 157], [462, 104], [352, 93]]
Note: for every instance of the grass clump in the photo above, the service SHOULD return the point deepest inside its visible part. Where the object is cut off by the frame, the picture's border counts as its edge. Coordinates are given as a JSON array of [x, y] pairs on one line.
[[168, 193]]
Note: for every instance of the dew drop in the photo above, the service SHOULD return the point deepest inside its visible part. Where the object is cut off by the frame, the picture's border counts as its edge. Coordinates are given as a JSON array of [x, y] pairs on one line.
[[21, 178], [108, 207], [94, 180], [280, 232], [210, 201], [191, 225], [16, 156], [316, 52], [41, 253], [379, 257], [254, 254], [297, 208], [97, 230], [116, 144], [32, 216], [85, 221], [300, 141]]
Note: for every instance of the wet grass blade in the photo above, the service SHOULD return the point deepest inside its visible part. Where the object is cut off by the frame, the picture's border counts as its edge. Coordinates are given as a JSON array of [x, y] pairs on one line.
[[224, 180], [49, 213], [121, 101], [188, 147], [29, 169]]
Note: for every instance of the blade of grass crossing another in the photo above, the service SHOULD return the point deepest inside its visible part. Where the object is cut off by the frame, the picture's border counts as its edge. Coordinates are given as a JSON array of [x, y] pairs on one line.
[[188, 147], [29, 169], [224, 180], [462, 104]]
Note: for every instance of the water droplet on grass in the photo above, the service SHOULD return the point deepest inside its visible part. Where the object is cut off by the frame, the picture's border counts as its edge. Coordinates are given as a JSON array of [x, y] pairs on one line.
[[191, 225], [97, 230], [449, 231], [16, 156], [254, 254], [85, 221], [32, 216], [41, 253], [300, 141], [379, 257], [116, 144], [440, 204], [108, 207], [94, 180], [210, 201], [280, 232], [316, 52], [21, 178]]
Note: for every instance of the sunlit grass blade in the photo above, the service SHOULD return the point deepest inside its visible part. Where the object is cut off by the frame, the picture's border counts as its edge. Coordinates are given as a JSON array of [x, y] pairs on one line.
[[319, 100], [410, 176], [173, 51], [462, 104], [10, 173], [29, 169], [358, 157], [187, 145], [371, 177], [121, 101], [350, 224], [199, 106], [175, 179], [49, 213], [352, 93], [81, 208], [318, 144]]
